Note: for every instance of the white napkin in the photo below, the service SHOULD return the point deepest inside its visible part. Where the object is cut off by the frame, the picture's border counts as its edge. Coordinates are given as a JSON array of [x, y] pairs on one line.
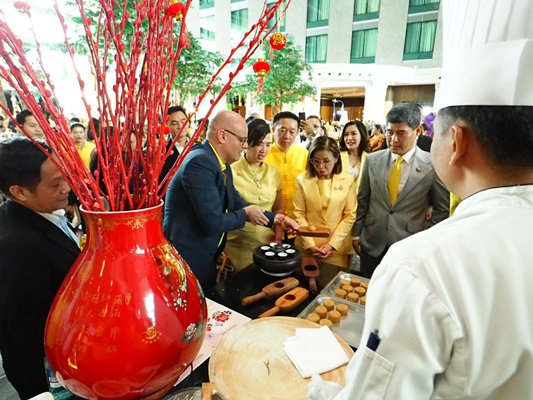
[[314, 351]]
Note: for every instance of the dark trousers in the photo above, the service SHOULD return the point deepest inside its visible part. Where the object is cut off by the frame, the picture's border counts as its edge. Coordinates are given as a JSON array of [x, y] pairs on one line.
[[369, 263]]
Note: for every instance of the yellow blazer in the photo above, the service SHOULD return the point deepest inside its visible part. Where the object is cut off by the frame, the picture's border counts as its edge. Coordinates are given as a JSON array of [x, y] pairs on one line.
[[339, 215]]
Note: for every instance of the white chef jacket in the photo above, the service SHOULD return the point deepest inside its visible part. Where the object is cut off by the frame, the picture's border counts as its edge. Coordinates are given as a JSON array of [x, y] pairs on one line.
[[453, 308]]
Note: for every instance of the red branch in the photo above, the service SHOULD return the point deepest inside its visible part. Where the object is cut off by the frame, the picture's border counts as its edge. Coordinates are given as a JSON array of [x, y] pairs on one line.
[[134, 104]]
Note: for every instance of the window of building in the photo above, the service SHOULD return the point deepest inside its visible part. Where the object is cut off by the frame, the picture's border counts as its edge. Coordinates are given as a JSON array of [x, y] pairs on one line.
[[239, 20], [207, 3], [316, 49], [365, 9], [416, 6], [419, 40], [317, 13], [207, 34], [364, 43]]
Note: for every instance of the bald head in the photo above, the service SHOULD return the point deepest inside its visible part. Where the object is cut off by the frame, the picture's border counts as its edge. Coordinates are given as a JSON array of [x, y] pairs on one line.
[[228, 133]]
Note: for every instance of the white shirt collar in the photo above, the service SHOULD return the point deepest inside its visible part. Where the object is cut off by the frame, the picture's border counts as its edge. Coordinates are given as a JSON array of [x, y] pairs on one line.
[[407, 157]]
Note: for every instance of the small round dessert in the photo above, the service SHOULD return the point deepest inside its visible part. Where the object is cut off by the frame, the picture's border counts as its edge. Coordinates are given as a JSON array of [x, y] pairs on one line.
[[340, 293], [265, 248], [348, 288], [344, 282], [365, 285], [321, 311], [334, 316], [363, 301], [342, 309], [355, 282], [354, 297], [326, 322], [329, 304], [312, 228], [313, 317], [360, 291], [270, 254]]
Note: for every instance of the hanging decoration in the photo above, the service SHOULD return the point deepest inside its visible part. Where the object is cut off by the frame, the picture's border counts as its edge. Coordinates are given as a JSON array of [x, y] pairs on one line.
[[261, 68], [176, 9], [277, 41]]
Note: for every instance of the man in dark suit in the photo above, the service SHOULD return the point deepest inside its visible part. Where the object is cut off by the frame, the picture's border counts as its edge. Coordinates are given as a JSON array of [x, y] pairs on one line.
[[398, 186], [35, 256], [202, 203], [177, 127]]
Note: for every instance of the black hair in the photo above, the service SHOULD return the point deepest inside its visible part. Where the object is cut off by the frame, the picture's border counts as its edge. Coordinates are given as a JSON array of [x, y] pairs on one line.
[[324, 143], [20, 163], [21, 116], [90, 134], [75, 119], [285, 114], [173, 109], [405, 112], [76, 125], [379, 127], [257, 131], [498, 130], [363, 144]]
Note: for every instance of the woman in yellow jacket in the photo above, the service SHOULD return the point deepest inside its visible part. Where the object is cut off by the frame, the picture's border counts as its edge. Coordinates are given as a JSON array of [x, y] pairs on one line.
[[325, 196], [354, 147]]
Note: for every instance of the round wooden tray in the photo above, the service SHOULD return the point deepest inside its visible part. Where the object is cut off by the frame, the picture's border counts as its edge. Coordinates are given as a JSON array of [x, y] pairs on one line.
[[249, 362]]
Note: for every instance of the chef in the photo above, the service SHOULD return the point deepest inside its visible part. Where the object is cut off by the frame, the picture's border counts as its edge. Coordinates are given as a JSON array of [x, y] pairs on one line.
[[448, 310]]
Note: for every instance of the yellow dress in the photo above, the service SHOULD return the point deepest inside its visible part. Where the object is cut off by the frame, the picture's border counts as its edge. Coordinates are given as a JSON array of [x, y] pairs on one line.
[[289, 165], [256, 186]]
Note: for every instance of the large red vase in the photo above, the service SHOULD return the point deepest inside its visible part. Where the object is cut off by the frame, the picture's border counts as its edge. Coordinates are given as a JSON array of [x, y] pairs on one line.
[[130, 316]]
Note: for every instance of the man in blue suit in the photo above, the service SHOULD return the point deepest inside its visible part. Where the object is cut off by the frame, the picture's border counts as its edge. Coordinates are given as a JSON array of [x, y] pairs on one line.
[[202, 204]]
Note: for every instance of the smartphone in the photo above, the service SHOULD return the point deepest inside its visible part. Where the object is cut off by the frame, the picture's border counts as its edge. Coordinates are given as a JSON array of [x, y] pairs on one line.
[[301, 115]]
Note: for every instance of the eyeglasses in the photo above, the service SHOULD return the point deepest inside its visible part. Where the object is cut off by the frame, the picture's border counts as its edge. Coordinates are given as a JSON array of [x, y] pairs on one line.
[[243, 140], [317, 162]]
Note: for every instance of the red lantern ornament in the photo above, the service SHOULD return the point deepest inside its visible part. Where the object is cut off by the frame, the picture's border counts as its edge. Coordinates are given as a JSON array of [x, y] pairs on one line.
[[261, 68], [175, 9], [278, 41]]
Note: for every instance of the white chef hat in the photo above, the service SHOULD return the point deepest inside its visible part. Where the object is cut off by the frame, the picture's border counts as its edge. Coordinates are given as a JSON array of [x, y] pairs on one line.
[[487, 53]]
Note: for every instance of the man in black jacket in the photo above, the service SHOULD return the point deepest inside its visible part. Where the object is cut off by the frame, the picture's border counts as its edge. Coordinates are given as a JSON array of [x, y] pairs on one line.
[[35, 256]]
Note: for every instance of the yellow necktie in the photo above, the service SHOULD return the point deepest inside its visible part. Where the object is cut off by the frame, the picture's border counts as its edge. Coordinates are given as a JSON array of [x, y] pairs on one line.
[[394, 180]]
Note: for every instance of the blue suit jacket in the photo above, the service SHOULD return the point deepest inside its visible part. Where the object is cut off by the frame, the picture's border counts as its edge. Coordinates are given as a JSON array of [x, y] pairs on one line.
[[195, 211]]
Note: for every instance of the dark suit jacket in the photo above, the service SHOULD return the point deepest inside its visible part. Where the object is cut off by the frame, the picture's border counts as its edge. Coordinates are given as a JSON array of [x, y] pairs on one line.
[[195, 211], [35, 256], [378, 223], [169, 162]]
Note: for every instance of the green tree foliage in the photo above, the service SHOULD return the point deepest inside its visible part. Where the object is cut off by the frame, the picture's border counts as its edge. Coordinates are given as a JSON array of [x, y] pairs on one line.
[[195, 66], [288, 81]]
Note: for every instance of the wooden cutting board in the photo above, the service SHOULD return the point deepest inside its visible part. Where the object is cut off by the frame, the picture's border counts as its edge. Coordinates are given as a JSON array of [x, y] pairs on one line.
[[249, 362]]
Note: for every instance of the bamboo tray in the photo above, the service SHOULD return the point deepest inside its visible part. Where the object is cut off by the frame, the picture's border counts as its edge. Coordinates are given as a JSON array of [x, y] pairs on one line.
[[249, 362]]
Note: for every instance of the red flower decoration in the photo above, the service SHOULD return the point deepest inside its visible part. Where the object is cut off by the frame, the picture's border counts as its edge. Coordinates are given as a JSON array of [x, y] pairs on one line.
[[22, 6]]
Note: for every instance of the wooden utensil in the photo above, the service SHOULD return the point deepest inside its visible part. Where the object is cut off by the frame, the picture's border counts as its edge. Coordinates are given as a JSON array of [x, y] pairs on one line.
[[310, 270], [289, 301], [271, 291], [207, 390], [314, 231]]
